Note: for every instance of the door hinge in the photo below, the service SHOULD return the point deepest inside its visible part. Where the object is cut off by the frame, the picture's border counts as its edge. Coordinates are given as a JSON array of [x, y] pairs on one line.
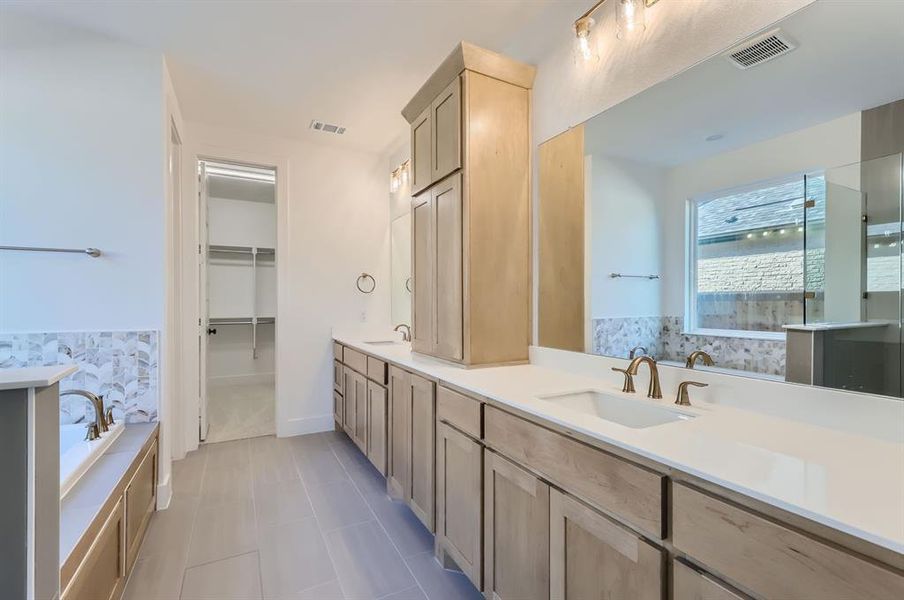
[[809, 295], [865, 295], [809, 203], [864, 219]]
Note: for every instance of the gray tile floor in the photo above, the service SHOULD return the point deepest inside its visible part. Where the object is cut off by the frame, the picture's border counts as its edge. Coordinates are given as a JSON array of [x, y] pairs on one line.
[[302, 517]]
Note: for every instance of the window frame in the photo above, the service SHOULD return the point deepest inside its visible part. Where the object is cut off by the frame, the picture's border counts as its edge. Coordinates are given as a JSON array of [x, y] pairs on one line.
[[690, 256]]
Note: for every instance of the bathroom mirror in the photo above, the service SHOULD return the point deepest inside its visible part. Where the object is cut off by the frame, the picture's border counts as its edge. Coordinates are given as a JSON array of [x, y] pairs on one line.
[[749, 208], [400, 241]]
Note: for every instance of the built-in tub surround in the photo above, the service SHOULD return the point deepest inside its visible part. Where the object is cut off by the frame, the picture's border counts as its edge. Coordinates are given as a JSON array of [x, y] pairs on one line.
[[121, 366], [77, 454], [665, 339], [829, 456]]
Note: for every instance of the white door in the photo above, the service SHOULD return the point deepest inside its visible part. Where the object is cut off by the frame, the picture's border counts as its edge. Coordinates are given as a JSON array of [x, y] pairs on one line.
[[204, 311]]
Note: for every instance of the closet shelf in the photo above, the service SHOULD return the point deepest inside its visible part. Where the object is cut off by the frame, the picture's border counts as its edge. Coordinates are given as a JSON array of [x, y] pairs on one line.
[[239, 320], [239, 249]]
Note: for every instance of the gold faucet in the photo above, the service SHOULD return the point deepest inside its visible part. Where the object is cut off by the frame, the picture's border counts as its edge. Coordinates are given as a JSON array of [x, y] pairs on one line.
[[684, 398], [654, 391], [693, 356], [102, 421], [406, 331]]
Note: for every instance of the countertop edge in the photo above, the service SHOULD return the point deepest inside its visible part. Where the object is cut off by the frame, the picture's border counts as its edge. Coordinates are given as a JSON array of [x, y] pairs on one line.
[[34, 377]]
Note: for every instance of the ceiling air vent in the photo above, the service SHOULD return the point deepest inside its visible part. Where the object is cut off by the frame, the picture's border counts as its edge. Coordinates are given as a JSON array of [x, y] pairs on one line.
[[760, 49], [327, 128]]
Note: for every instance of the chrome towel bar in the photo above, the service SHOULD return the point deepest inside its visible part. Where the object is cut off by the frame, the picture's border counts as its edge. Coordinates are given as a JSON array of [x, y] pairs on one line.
[[623, 275], [92, 252]]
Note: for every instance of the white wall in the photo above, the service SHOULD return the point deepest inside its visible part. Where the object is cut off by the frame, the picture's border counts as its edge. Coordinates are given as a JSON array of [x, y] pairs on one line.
[[81, 164], [333, 224], [625, 237], [241, 223], [826, 145]]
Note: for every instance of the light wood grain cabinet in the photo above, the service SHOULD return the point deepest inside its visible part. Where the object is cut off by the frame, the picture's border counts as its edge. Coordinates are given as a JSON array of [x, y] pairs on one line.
[[338, 379], [376, 425], [471, 222], [423, 445], [140, 499], [770, 559], [338, 403], [348, 402], [592, 557], [459, 501], [354, 412], [690, 584], [101, 574], [516, 532], [397, 469]]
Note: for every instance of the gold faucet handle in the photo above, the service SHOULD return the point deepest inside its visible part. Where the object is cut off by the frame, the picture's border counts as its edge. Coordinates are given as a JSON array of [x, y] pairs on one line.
[[108, 416], [628, 386], [684, 398], [91, 432]]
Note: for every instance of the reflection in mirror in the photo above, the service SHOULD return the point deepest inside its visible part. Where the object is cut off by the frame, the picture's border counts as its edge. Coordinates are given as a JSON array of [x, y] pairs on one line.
[[744, 217], [400, 241]]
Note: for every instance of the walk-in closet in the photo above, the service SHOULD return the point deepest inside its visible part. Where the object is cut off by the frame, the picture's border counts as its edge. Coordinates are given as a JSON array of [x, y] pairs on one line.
[[238, 300]]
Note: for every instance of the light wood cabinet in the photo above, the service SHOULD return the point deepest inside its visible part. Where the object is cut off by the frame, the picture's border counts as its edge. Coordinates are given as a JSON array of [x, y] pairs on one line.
[[471, 229], [376, 425], [592, 557], [423, 444], [516, 532], [354, 412], [397, 477], [140, 502], [337, 409], [101, 574], [462, 412], [691, 584], [348, 402], [337, 376], [459, 501]]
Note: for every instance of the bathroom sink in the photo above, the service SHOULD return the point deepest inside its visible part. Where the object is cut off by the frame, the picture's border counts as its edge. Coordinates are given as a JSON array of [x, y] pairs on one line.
[[634, 413]]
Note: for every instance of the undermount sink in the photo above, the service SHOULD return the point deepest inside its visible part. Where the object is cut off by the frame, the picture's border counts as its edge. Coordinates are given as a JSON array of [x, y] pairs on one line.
[[382, 342], [633, 413]]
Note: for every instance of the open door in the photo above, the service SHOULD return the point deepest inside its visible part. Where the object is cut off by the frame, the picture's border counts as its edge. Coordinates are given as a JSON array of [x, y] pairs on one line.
[[204, 312]]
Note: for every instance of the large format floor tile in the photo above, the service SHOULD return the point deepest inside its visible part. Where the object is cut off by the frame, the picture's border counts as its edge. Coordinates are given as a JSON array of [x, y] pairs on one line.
[[297, 518]]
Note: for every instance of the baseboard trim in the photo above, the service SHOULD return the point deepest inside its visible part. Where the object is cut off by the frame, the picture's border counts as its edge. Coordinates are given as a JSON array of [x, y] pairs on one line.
[[249, 379], [164, 493], [305, 425]]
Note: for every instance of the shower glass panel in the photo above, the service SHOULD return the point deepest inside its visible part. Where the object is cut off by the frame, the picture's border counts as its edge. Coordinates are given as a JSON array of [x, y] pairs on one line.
[[813, 224]]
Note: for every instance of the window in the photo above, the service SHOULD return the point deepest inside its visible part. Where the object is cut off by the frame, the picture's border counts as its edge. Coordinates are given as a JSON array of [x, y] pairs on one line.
[[747, 270]]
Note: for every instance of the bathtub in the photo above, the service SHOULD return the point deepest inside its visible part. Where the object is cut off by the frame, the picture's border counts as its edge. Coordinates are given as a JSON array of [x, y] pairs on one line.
[[77, 455]]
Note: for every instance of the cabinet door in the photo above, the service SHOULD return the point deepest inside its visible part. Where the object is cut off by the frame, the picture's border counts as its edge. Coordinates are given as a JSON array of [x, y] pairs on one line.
[[338, 379], [397, 476], [376, 425], [422, 270], [360, 436], [101, 575], [421, 139], [423, 446], [446, 117], [140, 503], [337, 409], [447, 265], [592, 557], [348, 411], [690, 584], [459, 501], [516, 532]]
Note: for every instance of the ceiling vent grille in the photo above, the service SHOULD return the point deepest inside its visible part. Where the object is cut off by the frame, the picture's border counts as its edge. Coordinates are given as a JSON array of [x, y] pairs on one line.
[[327, 127], [760, 49]]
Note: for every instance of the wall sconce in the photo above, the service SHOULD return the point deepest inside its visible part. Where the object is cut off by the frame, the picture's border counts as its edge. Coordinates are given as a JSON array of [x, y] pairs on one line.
[[395, 181], [629, 18], [399, 177]]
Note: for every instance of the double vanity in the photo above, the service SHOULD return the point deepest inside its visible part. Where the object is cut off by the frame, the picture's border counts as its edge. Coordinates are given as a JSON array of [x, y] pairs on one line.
[[541, 481]]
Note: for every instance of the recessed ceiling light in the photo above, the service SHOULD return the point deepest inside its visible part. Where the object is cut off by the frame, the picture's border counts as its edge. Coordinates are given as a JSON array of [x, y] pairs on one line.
[[715, 137]]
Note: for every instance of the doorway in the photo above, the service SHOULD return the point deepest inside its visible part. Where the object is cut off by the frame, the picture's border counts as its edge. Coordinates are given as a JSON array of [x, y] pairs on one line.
[[238, 300]]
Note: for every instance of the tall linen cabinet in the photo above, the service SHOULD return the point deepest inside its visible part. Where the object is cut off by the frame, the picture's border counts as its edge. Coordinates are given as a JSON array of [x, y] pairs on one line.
[[470, 153]]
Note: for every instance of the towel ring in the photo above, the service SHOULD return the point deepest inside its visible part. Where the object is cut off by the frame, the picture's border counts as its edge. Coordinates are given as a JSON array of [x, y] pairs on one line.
[[408, 284], [365, 277]]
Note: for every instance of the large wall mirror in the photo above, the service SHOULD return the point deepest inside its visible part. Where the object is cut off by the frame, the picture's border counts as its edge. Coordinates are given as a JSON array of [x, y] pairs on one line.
[[745, 213]]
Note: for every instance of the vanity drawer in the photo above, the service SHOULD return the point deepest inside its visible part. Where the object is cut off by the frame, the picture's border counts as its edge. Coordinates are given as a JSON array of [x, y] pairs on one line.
[[770, 559], [617, 486], [377, 370], [354, 359], [460, 411], [337, 351]]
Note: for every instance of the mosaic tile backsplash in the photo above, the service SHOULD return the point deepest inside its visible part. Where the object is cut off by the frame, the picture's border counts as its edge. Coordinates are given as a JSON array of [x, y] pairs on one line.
[[663, 339], [121, 366]]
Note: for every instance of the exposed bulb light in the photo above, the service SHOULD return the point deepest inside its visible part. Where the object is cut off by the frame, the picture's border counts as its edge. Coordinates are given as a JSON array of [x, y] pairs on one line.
[[800, 230], [585, 49], [629, 18], [403, 175], [782, 231], [749, 236], [765, 233], [394, 181]]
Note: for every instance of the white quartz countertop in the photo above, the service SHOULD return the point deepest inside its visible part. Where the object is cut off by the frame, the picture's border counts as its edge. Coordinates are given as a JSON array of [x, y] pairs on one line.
[[850, 482], [34, 377]]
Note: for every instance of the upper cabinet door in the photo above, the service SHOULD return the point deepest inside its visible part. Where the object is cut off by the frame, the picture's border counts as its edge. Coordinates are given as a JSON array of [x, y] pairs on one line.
[[449, 308], [421, 152], [446, 117], [422, 270]]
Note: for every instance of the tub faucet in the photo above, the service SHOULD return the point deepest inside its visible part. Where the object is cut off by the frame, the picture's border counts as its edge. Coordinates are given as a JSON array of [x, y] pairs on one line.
[[703, 356], [406, 331], [654, 391], [634, 351], [100, 419]]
